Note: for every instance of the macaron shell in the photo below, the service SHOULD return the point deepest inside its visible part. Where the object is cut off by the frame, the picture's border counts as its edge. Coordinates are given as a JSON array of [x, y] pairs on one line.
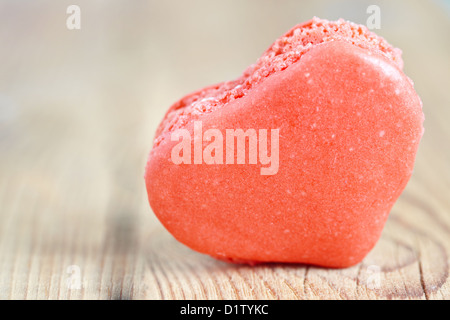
[[350, 123]]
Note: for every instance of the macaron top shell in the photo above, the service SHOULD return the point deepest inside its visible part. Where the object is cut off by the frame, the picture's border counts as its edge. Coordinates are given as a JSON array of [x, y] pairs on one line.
[[284, 52]]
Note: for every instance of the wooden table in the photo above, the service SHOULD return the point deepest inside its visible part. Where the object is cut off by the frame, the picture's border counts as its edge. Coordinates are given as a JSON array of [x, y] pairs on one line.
[[78, 110]]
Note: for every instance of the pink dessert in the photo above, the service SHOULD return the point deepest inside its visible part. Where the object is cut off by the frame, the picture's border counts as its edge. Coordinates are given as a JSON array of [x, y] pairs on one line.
[[349, 124]]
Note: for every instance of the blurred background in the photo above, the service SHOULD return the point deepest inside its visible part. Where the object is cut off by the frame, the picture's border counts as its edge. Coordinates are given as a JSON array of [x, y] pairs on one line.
[[79, 108]]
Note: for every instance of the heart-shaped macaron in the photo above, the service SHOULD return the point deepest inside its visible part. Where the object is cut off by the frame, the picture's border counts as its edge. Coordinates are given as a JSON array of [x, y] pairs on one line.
[[298, 160]]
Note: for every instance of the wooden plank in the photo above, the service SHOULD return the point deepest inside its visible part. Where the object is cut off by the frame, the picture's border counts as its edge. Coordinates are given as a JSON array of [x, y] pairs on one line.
[[78, 110]]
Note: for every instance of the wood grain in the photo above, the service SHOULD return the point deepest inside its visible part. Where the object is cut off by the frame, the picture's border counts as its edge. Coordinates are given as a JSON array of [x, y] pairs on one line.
[[77, 118]]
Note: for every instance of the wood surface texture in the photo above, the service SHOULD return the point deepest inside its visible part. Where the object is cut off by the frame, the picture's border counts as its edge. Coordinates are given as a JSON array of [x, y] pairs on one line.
[[78, 111]]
